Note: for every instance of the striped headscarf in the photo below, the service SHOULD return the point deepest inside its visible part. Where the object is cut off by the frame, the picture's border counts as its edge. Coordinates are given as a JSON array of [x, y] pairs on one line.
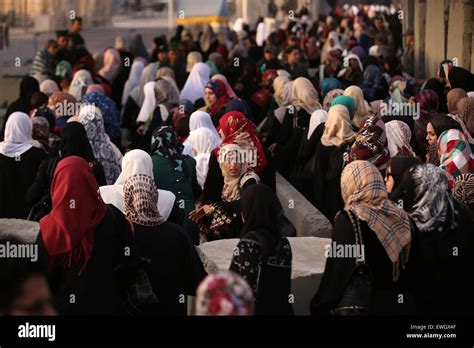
[[141, 200], [364, 193], [371, 144], [455, 154], [463, 189]]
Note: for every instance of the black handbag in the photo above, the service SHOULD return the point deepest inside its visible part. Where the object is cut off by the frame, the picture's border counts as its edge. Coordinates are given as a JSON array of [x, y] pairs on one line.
[[43, 207], [357, 296]]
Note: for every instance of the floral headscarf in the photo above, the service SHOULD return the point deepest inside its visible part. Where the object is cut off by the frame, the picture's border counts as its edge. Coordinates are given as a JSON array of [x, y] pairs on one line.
[[371, 144], [224, 293], [109, 111], [165, 143]]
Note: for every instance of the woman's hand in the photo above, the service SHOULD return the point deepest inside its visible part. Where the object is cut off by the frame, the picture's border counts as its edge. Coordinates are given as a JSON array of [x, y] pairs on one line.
[[197, 214], [208, 209]]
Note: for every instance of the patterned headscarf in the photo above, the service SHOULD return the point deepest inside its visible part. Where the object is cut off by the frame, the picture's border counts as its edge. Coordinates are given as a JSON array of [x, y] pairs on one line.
[[238, 129], [455, 154], [91, 118], [371, 144], [427, 197], [432, 156], [329, 98], [41, 131], [398, 137], [141, 200], [224, 293], [63, 69], [165, 143], [364, 193], [463, 189], [109, 111], [219, 89]]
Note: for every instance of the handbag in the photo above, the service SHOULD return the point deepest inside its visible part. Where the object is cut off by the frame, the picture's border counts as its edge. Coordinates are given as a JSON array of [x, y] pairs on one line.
[[357, 296], [43, 207], [139, 293]]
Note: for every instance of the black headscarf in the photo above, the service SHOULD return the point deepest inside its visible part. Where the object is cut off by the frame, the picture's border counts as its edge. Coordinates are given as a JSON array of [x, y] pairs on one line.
[[442, 123], [261, 210], [461, 78], [137, 48], [28, 86], [74, 142], [398, 166]]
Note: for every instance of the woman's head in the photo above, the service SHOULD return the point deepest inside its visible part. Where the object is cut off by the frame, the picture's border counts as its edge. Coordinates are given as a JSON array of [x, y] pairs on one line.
[[214, 90], [231, 160], [394, 173], [437, 125], [454, 96]]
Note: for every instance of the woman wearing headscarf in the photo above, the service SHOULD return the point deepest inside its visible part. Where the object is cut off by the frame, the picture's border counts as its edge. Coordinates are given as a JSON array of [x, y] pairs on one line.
[[371, 144], [224, 213], [194, 87], [351, 75], [387, 234], [460, 78], [332, 43], [337, 138], [176, 172], [329, 84], [19, 161], [264, 257], [92, 120], [398, 137], [348, 102], [304, 101], [228, 87], [465, 109], [361, 108], [137, 48], [374, 84], [111, 67], [136, 162], [454, 96], [74, 142], [95, 88], [445, 252], [133, 81], [330, 96], [28, 86], [216, 98], [64, 106], [83, 241], [110, 114], [429, 105], [235, 128], [202, 141], [49, 87], [394, 175], [208, 41], [200, 119], [437, 125], [463, 189], [191, 60], [63, 69], [455, 154], [173, 267], [440, 89], [80, 81], [166, 98], [224, 293], [40, 134]]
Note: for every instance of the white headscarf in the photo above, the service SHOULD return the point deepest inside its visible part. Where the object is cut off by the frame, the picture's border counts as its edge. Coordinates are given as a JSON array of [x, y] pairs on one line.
[[261, 34], [80, 81], [136, 162], [192, 58], [133, 79], [194, 87], [112, 65], [200, 119], [398, 137], [317, 117], [327, 48], [356, 57], [48, 87], [148, 75], [18, 132], [149, 103], [203, 141]]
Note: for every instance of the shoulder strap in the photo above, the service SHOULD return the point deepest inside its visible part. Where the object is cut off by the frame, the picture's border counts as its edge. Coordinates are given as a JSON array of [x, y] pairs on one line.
[[358, 233], [51, 167]]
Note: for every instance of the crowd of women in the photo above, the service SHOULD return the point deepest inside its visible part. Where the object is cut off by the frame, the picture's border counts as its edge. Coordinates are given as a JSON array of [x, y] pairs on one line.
[[128, 166]]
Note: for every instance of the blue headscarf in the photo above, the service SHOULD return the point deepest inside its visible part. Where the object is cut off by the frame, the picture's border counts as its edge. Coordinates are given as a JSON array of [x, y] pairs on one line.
[[329, 84]]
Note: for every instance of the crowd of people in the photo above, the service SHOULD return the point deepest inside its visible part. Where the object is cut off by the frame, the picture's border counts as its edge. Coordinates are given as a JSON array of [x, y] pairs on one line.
[[130, 157]]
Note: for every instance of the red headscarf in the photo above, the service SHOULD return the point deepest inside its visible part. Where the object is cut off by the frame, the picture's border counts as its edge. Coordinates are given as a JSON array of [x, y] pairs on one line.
[[238, 129], [69, 229], [220, 90]]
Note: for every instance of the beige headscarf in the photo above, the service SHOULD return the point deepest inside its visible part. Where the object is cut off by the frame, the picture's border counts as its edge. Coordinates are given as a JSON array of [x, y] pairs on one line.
[[338, 130], [361, 109], [191, 59], [364, 193], [304, 95]]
